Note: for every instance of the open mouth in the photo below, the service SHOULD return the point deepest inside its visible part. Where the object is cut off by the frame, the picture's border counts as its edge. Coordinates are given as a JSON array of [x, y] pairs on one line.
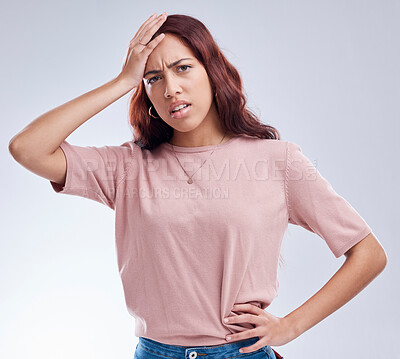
[[181, 108], [182, 111]]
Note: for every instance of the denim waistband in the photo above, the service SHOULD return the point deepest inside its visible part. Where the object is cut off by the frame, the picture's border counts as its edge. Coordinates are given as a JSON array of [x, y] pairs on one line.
[[218, 351]]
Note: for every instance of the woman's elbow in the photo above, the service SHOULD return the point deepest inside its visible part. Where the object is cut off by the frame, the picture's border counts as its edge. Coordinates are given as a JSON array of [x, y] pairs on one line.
[[371, 251]]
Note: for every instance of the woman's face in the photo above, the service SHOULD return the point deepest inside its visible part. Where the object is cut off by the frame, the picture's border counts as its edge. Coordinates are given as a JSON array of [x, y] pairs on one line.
[[186, 80]]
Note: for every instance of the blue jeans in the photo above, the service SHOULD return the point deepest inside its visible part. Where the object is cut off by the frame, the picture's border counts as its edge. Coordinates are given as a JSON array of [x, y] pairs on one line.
[[150, 349]]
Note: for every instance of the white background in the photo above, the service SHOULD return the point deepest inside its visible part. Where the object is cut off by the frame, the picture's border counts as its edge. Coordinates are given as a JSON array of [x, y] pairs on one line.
[[324, 73]]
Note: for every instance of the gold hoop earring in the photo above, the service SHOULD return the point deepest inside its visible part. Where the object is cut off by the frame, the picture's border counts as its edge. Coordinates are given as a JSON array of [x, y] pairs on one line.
[[151, 114]]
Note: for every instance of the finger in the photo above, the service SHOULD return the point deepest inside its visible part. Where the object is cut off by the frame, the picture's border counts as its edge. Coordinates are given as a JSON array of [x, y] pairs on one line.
[[140, 35], [148, 26], [142, 30], [145, 23], [241, 318], [152, 44], [148, 33], [246, 334], [257, 345], [248, 308]]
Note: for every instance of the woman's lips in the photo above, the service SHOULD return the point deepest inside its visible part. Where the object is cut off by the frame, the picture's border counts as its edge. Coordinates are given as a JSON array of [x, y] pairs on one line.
[[181, 113]]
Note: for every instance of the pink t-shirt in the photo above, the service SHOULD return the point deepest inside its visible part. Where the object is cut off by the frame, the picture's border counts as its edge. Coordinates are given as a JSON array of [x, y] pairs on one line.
[[188, 252]]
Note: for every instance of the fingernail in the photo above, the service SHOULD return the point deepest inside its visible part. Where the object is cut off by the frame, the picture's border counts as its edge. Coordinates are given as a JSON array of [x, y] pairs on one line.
[[226, 320], [228, 338]]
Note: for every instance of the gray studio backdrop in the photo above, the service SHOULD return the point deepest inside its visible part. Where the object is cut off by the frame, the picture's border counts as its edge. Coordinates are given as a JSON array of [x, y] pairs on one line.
[[325, 73]]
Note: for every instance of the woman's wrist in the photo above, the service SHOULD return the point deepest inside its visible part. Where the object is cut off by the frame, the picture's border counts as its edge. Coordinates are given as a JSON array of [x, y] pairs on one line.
[[292, 326], [125, 84]]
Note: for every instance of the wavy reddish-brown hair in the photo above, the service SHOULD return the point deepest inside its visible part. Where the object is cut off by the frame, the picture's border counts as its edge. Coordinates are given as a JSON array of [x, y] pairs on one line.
[[225, 80]]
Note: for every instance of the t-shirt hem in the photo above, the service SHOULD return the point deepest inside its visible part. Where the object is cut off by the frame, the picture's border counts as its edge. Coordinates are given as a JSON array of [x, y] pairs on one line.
[[338, 253], [67, 185]]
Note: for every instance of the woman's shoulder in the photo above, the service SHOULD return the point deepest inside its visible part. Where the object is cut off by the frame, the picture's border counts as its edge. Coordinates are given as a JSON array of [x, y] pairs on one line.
[[273, 146]]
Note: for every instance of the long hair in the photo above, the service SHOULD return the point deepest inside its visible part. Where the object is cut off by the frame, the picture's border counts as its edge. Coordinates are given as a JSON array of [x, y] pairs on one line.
[[225, 80]]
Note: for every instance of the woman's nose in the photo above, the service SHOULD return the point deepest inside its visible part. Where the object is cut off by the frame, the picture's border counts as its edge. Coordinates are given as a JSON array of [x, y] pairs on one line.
[[171, 87]]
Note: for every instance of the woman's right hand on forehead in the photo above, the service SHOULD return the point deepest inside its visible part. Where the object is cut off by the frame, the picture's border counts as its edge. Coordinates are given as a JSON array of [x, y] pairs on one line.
[[137, 54]]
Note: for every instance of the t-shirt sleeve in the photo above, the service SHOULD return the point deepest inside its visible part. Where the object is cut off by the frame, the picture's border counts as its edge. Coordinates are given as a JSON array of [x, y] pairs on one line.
[[314, 205], [94, 172]]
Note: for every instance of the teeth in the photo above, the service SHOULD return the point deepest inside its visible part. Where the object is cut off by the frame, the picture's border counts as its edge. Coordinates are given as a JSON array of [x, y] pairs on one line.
[[179, 107]]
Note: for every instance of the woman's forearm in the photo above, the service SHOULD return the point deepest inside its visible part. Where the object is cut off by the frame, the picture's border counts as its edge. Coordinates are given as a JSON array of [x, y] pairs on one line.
[[353, 276], [43, 135]]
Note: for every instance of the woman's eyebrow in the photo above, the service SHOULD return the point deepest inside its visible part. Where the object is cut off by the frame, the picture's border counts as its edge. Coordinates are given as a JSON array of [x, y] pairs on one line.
[[169, 66]]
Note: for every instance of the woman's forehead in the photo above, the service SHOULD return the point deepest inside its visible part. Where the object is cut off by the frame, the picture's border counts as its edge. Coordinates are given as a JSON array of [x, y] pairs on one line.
[[167, 53], [169, 50]]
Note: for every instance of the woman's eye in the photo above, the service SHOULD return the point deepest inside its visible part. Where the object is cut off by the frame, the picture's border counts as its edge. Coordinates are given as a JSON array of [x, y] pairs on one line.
[[184, 66], [149, 81], [152, 80]]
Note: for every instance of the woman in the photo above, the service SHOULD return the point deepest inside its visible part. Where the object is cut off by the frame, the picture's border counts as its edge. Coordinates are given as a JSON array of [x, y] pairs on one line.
[[202, 199]]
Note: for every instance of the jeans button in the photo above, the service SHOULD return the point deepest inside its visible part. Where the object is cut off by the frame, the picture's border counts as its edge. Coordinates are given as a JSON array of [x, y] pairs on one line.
[[192, 355]]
